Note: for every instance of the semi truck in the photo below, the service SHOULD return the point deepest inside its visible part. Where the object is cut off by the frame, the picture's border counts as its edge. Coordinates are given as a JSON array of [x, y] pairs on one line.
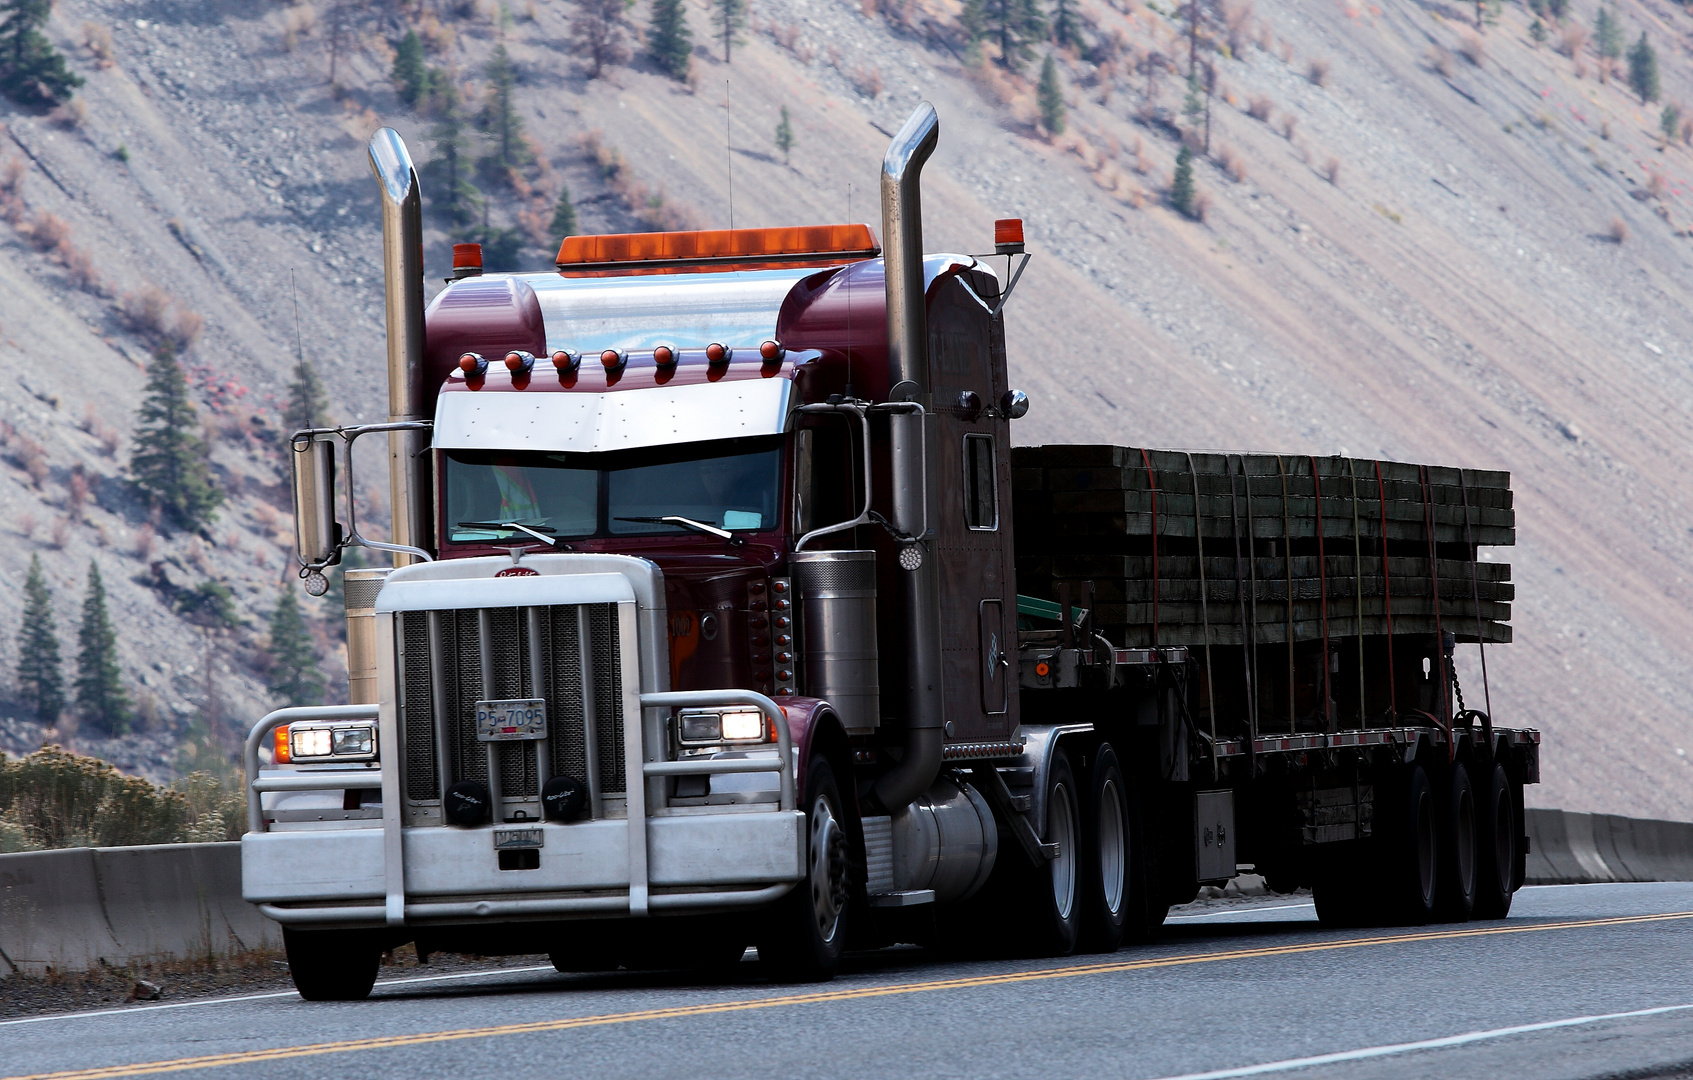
[[724, 614]]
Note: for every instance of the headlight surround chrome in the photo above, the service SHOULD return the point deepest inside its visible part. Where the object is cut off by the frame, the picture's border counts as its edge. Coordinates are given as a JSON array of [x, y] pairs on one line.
[[735, 724], [314, 742]]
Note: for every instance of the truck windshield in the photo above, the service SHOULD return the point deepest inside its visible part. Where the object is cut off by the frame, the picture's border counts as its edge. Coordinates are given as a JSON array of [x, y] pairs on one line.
[[734, 484]]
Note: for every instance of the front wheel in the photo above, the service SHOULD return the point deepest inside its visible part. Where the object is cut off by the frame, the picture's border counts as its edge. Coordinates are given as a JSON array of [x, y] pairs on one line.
[[331, 965], [804, 939]]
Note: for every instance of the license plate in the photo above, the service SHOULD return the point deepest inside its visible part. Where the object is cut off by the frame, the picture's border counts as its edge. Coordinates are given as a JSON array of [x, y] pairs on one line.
[[518, 838], [518, 718]]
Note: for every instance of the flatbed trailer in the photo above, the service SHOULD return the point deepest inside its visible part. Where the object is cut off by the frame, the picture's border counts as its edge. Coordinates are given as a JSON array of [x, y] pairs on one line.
[[724, 613]]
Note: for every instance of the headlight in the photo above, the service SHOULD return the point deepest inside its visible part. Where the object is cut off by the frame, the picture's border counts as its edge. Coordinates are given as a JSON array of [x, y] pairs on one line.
[[315, 742], [701, 727]]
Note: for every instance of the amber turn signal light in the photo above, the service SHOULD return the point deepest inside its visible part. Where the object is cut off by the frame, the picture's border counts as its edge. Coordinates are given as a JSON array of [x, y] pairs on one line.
[[279, 753]]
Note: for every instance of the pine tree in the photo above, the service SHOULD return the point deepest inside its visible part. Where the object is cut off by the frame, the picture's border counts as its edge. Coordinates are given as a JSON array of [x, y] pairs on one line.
[[600, 29], [1013, 25], [1669, 122], [169, 463], [1643, 69], [454, 196], [1066, 25], [669, 40], [41, 678], [31, 70], [1607, 34], [1181, 185], [99, 684], [1193, 106], [499, 119], [410, 75], [295, 678], [785, 137], [564, 214], [1050, 96], [728, 16], [308, 405], [1537, 31], [1558, 9]]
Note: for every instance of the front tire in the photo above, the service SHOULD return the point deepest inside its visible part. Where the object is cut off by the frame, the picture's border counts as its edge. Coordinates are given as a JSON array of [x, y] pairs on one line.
[[331, 965], [804, 939], [1111, 890]]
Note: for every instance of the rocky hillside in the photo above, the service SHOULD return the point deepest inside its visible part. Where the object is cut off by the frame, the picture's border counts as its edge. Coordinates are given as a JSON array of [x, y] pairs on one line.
[[1420, 240]]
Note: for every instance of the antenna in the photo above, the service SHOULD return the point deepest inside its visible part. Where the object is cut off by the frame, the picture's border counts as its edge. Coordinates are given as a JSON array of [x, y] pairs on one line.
[[729, 145], [846, 279]]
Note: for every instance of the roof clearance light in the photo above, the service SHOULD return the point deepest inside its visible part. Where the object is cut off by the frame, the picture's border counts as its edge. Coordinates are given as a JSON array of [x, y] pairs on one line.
[[1008, 236], [664, 356], [520, 362], [718, 354], [474, 365], [565, 360], [771, 351], [467, 260], [612, 359]]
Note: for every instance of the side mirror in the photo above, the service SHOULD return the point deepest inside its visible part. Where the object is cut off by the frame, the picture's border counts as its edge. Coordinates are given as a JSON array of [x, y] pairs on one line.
[[317, 535]]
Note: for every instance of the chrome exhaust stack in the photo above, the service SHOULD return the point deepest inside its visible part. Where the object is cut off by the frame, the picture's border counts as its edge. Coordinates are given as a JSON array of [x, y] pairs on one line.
[[911, 439], [402, 266]]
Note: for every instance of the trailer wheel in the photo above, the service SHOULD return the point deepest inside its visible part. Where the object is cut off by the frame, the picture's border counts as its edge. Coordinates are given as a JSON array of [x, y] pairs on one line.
[[331, 965], [1111, 886], [1408, 850], [804, 939], [1496, 854], [1050, 899], [1455, 881]]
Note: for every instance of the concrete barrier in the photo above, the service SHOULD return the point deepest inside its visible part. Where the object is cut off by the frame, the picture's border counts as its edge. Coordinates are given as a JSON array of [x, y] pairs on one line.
[[75, 909], [1567, 848]]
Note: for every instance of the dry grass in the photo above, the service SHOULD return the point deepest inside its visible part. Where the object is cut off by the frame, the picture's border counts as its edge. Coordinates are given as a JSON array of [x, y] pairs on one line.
[[1318, 72], [70, 115], [1289, 124], [1472, 48], [76, 492], [97, 40], [1618, 232], [161, 317], [1232, 163], [56, 799], [651, 206], [1331, 170], [1605, 130], [1260, 108], [1572, 40], [1142, 163], [61, 534], [1202, 206], [1439, 61], [867, 81], [27, 524], [144, 539]]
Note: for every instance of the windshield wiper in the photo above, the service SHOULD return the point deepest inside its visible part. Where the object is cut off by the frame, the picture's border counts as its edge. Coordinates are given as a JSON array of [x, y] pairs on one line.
[[535, 532], [686, 523]]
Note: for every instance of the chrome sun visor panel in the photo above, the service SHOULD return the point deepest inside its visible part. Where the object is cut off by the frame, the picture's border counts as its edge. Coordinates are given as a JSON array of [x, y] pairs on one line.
[[627, 420]]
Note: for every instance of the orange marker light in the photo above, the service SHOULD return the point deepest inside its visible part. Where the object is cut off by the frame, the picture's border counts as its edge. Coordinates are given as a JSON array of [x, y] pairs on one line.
[[474, 365], [1008, 236], [664, 356], [279, 753], [718, 353], [1042, 669], [612, 359], [565, 360], [520, 361], [771, 351]]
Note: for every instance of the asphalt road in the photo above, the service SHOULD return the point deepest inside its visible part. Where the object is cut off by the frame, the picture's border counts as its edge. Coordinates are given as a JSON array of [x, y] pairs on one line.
[[1581, 982]]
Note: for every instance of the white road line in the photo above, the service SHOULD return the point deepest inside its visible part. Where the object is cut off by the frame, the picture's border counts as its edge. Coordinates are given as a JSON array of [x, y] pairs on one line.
[[1425, 1044], [1239, 910], [261, 997]]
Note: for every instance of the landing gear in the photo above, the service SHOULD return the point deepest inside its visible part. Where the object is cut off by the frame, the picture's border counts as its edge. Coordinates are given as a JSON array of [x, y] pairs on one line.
[[804, 938], [332, 965], [1496, 854]]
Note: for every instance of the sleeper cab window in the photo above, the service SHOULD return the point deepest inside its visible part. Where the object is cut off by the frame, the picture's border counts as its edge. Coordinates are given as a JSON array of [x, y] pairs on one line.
[[981, 486]]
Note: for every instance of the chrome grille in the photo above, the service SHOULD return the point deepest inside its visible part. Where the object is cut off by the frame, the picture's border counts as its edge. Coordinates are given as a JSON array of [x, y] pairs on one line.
[[456, 670]]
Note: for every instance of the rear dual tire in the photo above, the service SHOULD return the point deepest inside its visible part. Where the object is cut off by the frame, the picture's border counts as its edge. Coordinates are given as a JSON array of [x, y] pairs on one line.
[[1496, 853]]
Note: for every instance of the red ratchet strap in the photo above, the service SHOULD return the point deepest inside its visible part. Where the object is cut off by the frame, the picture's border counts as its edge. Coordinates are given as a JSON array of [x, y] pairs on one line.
[[1323, 577], [1439, 635], [1387, 590], [1152, 486]]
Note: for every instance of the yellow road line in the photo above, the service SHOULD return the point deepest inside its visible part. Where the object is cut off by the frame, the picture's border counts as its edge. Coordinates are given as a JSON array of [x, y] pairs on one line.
[[251, 1057]]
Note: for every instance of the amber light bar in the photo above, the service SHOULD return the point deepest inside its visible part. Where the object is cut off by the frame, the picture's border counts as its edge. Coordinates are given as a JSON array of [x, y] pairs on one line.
[[680, 252]]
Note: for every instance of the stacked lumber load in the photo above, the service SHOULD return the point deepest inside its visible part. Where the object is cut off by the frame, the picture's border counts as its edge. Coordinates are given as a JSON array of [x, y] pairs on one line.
[[1185, 548]]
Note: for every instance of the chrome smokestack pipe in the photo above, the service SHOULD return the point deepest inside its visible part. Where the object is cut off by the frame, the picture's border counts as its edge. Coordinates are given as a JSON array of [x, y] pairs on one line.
[[402, 267], [912, 439]]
